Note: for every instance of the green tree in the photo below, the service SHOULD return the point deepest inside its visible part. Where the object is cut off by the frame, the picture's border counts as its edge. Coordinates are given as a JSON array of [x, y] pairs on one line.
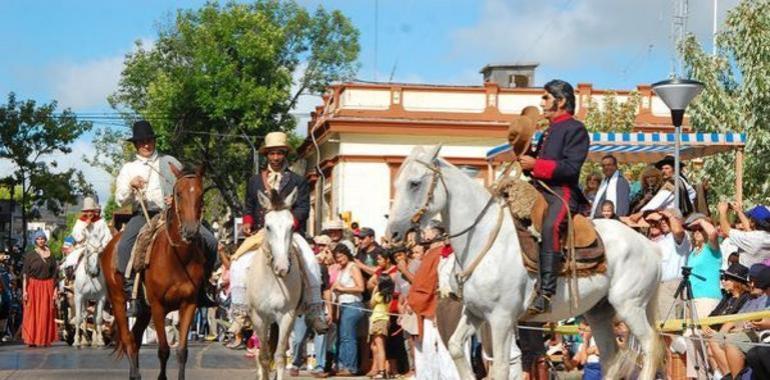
[[222, 74], [736, 95], [30, 135], [612, 115]]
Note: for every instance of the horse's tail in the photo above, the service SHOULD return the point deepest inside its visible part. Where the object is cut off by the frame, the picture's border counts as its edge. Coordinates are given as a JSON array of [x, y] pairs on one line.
[[658, 355], [120, 349]]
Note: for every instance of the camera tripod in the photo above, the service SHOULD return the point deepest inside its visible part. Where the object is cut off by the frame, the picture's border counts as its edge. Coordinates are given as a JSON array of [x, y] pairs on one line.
[[692, 320]]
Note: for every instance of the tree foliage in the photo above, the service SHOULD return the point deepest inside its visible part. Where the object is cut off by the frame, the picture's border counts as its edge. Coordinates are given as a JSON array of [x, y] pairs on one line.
[[736, 95], [612, 115], [224, 74], [30, 137]]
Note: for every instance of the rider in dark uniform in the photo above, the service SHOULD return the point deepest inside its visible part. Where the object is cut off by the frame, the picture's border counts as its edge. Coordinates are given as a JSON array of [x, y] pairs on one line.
[[560, 154]]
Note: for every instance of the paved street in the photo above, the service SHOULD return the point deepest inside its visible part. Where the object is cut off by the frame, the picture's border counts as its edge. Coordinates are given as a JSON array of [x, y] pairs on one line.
[[206, 361]]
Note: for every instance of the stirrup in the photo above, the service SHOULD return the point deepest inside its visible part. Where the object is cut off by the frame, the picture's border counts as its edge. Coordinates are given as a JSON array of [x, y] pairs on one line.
[[540, 305]]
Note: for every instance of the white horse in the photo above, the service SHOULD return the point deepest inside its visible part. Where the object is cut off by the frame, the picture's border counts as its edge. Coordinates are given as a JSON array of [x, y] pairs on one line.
[[89, 286], [500, 287], [274, 288]]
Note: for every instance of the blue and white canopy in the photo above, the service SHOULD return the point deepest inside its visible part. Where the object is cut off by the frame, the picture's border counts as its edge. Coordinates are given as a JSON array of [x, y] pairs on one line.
[[645, 147]]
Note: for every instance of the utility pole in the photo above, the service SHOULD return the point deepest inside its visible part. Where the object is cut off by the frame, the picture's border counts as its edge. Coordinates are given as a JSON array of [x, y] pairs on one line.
[[714, 31]]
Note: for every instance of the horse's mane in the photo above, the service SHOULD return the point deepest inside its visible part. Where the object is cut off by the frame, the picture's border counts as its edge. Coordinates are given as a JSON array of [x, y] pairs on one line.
[[276, 201]]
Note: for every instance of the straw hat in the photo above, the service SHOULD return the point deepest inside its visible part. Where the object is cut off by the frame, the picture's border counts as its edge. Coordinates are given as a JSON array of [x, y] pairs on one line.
[[90, 204], [335, 224], [522, 129], [275, 140]]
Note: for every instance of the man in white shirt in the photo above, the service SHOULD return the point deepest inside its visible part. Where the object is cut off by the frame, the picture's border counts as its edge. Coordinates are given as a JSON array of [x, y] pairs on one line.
[[149, 177], [753, 245], [667, 233]]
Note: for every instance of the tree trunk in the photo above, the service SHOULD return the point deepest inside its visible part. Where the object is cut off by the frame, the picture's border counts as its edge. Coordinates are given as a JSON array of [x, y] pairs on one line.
[[23, 216]]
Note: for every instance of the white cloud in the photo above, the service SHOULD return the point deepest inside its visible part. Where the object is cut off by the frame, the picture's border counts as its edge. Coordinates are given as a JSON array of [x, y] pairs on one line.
[[566, 33], [87, 84], [98, 178]]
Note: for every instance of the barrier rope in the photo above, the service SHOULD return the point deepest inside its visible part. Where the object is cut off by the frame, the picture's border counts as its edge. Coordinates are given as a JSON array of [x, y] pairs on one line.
[[668, 326]]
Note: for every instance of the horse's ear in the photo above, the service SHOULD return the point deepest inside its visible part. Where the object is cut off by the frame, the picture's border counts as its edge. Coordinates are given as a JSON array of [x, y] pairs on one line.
[[177, 172], [200, 171], [433, 152], [291, 198], [264, 201]]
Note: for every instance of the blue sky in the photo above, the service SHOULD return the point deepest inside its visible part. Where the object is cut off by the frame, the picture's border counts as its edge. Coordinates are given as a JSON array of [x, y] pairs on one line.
[[72, 51]]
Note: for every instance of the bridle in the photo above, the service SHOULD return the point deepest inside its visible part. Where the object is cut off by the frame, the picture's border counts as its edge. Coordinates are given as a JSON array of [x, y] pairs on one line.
[[435, 179], [268, 251], [177, 214]]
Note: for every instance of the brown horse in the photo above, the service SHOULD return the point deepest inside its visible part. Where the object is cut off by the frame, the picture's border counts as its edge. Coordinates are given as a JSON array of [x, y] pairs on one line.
[[171, 281]]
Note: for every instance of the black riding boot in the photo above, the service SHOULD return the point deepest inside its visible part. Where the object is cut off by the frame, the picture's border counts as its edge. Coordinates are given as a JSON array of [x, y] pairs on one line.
[[550, 265], [207, 292], [128, 288]]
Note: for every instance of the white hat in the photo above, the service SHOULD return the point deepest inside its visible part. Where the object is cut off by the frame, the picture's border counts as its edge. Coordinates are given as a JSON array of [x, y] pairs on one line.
[[275, 140], [335, 224], [322, 240], [90, 204]]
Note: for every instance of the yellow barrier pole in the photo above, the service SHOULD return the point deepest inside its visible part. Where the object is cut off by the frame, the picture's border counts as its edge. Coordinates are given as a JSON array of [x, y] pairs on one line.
[[675, 325]]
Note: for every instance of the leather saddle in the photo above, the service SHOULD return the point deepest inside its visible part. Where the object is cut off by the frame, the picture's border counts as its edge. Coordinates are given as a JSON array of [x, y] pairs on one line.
[[528, 206], [143, 245]]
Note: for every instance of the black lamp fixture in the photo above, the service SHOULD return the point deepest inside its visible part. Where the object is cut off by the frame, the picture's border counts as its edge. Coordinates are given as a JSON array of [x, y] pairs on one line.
[[677, 94]]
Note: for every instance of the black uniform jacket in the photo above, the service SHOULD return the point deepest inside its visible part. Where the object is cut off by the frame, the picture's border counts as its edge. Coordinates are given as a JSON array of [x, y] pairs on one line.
[[561, 152], [255, 215]]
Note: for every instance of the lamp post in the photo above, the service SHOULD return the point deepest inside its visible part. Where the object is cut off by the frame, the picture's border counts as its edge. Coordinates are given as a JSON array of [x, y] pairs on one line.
[[677, 93]]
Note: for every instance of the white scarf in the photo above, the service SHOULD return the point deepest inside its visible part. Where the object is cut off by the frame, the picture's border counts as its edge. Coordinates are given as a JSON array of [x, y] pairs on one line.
[[609, 186], [274, 177]]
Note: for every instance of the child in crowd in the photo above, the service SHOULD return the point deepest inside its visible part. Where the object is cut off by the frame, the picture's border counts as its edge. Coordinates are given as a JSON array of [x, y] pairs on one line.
[[378, 325], [608, 210]]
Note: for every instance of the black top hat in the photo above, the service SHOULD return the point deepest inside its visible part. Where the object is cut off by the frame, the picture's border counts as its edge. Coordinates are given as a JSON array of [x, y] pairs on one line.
[[142, 130], [737, 272], [668, 160]]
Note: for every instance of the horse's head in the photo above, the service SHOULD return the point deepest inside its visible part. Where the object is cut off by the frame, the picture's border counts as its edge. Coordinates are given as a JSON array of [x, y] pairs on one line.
[[92, 261], [419, 191], [188, 201], [279, 226]]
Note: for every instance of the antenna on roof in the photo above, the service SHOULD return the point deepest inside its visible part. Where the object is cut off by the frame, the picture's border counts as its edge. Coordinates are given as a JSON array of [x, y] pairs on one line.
[[393, 71], [678, 31]]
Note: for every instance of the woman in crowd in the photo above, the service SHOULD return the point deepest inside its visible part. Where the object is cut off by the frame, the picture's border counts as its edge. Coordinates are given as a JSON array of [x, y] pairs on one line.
[[40, 269], [592, 186], [348, 289], [735, 282], [651, 180], [705, 260]]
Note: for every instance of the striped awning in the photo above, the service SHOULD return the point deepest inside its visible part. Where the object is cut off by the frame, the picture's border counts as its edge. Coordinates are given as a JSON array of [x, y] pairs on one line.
[[645, 147]]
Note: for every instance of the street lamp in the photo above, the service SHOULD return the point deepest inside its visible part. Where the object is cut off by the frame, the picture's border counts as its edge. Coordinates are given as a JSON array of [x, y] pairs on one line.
[[677, 93]]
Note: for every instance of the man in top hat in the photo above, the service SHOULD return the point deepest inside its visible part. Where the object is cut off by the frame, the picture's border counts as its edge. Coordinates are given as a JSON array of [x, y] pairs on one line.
[[755, 244], [664, 198], [149, 178], [276, 176], [560, 155]]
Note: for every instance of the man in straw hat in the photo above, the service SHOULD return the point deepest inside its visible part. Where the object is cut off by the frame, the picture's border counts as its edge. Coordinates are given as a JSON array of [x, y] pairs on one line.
[[149, 178], [278, 177], [559, 157]]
